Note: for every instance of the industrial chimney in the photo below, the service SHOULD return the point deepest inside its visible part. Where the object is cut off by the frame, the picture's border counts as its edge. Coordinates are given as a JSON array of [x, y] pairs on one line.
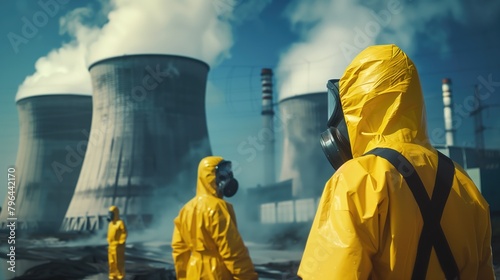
[[268, 125], [149, 133], [304, 118], [52, 144], [448, 112]]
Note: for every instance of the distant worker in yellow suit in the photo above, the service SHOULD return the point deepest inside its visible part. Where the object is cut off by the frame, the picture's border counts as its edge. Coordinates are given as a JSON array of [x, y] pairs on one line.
[[395, 208], [117, 235], [206, 243]]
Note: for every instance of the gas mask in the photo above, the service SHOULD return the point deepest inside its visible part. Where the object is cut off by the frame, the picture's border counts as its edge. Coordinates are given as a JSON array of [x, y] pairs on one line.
[[111, 216], [335, 140], [226, 184]]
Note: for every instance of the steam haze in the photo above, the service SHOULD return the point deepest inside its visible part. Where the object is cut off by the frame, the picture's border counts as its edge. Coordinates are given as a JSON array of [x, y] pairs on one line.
[[134, 27], [332, 33]]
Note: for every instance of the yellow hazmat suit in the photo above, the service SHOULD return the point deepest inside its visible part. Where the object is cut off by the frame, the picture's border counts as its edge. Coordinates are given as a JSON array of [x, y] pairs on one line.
[[117, 234], [368, 223], [206, 243]]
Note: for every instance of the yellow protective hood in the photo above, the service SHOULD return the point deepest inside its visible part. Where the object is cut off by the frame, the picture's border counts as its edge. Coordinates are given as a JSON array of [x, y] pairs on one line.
[[206, 176], [397, 114], [116, 213]]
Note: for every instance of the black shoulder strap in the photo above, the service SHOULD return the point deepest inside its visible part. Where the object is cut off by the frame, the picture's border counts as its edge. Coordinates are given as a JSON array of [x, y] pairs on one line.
[[431, 210]]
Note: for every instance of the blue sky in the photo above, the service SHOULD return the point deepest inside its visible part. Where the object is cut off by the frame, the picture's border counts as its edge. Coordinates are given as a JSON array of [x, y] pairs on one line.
[[304, 41]]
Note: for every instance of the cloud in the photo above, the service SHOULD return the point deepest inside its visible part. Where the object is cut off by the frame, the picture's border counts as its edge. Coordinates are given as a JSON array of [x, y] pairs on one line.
[[323, 26], [64, 70], [248, 10], [193, 28], [333, 32]]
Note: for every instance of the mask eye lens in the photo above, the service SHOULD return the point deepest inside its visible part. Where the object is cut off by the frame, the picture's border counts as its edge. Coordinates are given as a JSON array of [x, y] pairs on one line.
[[334, 108], [223, 171], [224, 167]]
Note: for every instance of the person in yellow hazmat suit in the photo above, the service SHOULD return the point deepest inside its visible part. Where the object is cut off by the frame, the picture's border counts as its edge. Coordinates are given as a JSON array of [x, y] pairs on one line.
[[117, 235], [206, 243], [395, 208]]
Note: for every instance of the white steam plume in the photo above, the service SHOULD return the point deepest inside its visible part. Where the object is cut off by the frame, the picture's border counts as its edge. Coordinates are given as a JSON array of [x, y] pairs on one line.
[[193, 28], [63, 70], [334, 31]]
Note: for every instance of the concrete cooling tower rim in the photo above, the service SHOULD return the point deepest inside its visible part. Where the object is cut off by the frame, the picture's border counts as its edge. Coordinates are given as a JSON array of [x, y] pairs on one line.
[[119, 57], [297, 96], [53, 94]]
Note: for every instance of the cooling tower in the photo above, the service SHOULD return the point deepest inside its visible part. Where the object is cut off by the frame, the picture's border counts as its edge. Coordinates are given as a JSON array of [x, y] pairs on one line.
[[148, 135], [53, 139], [304, 117]]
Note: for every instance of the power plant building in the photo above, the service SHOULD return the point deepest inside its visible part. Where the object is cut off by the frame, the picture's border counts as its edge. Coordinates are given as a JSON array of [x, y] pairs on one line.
[[149, 132], [53, 137]]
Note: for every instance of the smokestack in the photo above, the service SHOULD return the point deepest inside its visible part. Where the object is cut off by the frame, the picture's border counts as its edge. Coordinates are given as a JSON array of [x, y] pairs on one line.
[[149, 132], [267, 125], [448, 113], [304, 117], [52, 144]]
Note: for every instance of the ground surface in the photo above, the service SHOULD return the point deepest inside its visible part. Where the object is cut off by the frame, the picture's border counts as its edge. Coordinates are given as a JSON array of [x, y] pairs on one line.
[[71, 257], [55, 258]]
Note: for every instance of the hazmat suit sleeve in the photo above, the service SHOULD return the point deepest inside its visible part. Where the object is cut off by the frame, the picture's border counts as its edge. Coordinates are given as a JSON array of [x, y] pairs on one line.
[[109, 236], [486, 270], [345, 232], [230, 245], [180, 252], [123, 235]]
